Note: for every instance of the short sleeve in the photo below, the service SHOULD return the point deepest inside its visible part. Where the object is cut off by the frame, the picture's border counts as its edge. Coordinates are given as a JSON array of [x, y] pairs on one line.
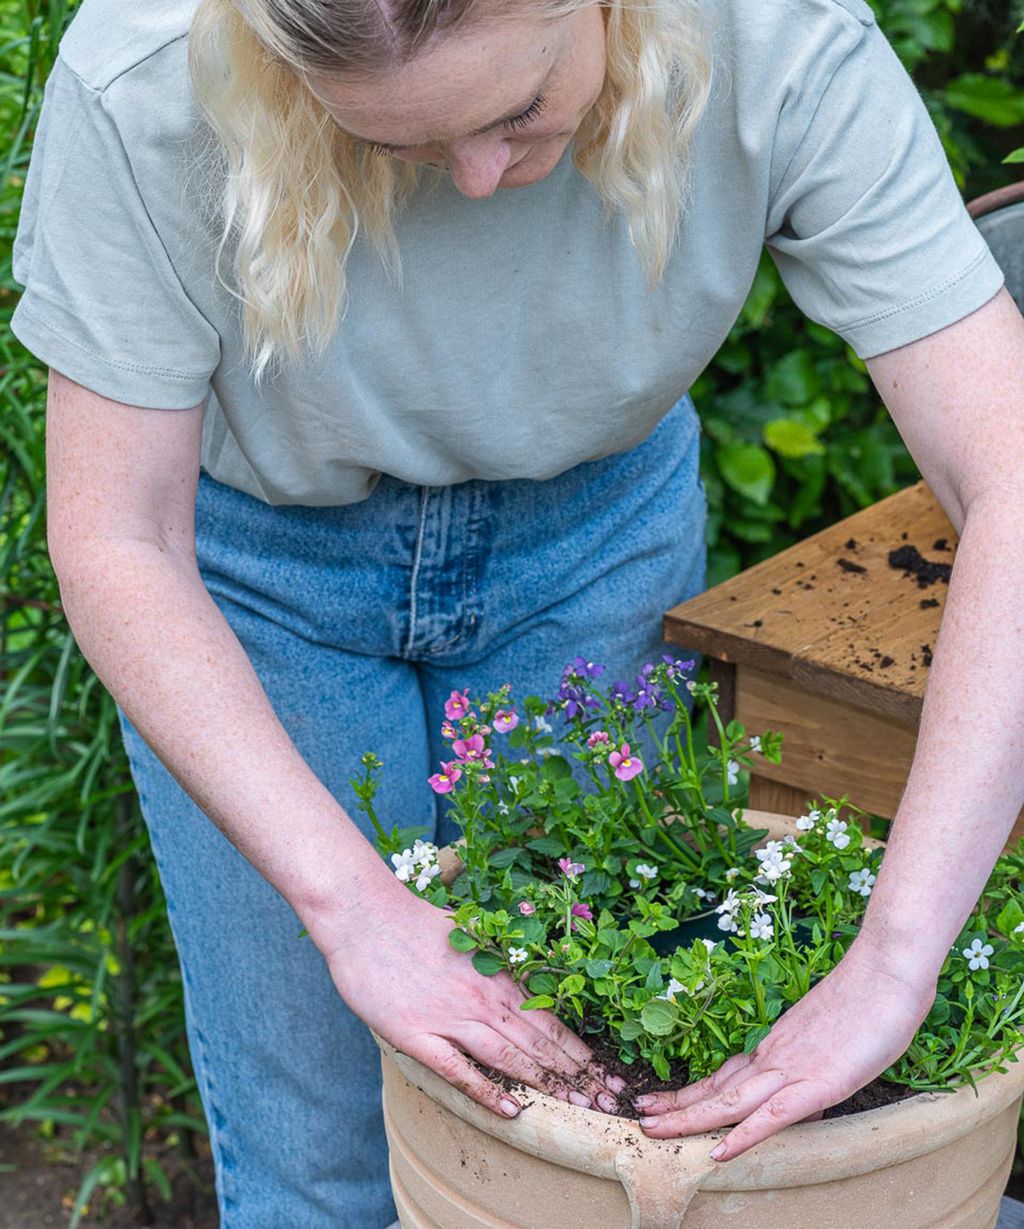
[[102, 301], [866, 223]]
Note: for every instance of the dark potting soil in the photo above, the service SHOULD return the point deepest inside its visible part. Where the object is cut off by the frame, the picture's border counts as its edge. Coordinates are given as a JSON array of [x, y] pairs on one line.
[[878, 1092], [925, 571]]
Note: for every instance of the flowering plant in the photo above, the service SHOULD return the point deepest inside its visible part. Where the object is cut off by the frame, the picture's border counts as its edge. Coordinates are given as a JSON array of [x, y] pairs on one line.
[[622, 889]]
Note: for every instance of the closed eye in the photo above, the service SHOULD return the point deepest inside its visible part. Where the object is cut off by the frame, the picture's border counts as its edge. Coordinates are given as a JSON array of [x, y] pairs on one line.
[[512, 122]]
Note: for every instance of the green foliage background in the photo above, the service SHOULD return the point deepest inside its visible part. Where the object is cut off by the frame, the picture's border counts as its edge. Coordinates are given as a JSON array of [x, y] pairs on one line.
[[91, 1024]]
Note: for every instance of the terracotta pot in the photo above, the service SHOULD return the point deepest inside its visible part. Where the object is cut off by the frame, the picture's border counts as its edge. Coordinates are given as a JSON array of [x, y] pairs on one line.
[[936, 1159]]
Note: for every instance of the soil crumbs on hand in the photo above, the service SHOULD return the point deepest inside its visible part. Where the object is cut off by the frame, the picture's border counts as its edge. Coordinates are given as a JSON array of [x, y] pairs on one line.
[[879, 1092]]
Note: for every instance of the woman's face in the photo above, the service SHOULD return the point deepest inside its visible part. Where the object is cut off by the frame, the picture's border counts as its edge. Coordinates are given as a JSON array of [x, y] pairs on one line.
[[496, 102]]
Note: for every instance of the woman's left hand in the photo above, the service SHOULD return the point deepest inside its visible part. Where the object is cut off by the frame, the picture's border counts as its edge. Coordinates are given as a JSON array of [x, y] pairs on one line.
[[843, 1033]]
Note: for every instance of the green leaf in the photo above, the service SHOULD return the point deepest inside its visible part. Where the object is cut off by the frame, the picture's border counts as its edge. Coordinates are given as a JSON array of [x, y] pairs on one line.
[[599, 968], [755, 1037], [748, 469], [1010, 916], [546, 845], [487, 963], [630, 1030], [461, 941], [555, 768], [791, 438], [543, 984], [659, 1017], [505, 857], [538, 1001], [793, 380], [572, 984], [992, 99]]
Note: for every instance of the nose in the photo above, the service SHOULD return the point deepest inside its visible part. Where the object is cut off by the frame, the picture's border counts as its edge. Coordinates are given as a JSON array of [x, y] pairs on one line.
[[477, 164]]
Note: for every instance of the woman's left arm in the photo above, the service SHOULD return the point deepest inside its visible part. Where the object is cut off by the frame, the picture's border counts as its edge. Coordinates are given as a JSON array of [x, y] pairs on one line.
[[957, 398]]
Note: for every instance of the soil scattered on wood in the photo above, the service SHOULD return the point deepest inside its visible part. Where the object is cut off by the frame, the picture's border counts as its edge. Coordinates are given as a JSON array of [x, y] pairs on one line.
[[848, 566], [925, 571], [928, 602]]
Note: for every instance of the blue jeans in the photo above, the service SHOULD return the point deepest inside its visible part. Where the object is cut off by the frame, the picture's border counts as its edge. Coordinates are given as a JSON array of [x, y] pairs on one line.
[[359, 621]]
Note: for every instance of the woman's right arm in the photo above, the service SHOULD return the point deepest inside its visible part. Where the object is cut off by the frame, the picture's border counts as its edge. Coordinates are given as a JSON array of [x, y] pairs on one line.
[[121, 489]]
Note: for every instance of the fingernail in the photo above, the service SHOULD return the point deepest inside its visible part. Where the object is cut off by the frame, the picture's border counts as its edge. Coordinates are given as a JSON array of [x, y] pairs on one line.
[[508, 1107], [717, 1152], [606, 1101], [649, 1122], [616, 1083], [577, 1098], [643, 1102]]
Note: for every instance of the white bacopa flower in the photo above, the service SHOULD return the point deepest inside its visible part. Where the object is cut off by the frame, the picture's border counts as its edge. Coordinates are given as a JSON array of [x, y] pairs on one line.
[[731, 873], [790, 840], [646, 871], [728, 922], [861, 881], [978, 953], [731, 903], [755, 742], [701, 894], [762, 897], [710, 944], [542, 726], [502, 808], [425, 876], [761, 926], [771, 850], [404, 864], [836, 833], [634, 883], [1017, 929], [516, 955], [773, 867], [672, 990], [805, 823], [732, 771], [423, 853]]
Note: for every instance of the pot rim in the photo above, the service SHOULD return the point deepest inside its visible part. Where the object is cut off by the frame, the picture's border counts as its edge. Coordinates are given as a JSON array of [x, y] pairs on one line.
[[800, 1154]]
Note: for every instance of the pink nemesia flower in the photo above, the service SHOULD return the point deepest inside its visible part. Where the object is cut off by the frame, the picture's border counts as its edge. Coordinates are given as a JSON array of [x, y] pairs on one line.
[[470, 748], [625, 765], [457, 705], [525, 908], [444, 782], [599, 736], [448, 730], [579, 909], [504, 720], [572, 869]]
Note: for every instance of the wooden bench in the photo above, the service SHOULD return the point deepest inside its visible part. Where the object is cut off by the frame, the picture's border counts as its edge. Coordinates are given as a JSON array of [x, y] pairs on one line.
[[831, 645]]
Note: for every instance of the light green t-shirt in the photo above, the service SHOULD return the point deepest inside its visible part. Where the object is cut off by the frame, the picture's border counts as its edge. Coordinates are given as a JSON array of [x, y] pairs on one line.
[[523, 339]]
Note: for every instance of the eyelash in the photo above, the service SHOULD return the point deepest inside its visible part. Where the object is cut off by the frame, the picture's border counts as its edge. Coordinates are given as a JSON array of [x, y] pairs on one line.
[[515, 123]]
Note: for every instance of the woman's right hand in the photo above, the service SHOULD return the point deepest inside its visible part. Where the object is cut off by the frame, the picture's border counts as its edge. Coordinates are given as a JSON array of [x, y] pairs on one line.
[[399, 973]]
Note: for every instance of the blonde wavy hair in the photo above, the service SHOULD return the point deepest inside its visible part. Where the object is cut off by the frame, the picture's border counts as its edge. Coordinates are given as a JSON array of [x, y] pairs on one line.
[[293, 189]]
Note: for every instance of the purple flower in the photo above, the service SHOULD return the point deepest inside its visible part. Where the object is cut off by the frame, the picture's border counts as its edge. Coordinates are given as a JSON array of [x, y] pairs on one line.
[[444, 782], [525, 908], [586, 669], [677, 667], [626, 766], [570, 868], [470, 748], [621, 694], [599, 736], [457, 705], [579, 909]]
